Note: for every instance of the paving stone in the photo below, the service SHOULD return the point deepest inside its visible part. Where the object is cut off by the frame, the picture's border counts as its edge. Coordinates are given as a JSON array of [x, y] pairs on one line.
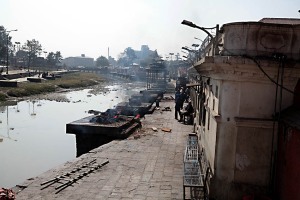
[[147, 168], [139, 197]]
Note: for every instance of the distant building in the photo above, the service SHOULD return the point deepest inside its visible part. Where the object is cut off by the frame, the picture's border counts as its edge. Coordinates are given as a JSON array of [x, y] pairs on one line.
[[79, 61], [143, 53]]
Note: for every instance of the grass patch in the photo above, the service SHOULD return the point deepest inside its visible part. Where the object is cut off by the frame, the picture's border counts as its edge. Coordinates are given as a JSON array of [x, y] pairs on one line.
[[77, 83], [2, 96], [31, 89], [67, 81], [77, 80]]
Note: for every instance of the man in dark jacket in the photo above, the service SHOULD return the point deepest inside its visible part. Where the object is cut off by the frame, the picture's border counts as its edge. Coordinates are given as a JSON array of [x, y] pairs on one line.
[[178, 103]]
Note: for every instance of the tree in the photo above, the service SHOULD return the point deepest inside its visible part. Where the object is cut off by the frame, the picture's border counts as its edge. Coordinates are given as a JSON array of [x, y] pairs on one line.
[[151, 58], [33, 48], [3, 45], [127, 57], [102, 62], [58, 58], [130, 54], [112, 61], [53, 59], [122, 60], [5, 42]]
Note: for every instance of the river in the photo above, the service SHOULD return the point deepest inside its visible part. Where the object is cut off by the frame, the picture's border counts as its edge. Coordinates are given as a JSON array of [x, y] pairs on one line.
[[33, 135]]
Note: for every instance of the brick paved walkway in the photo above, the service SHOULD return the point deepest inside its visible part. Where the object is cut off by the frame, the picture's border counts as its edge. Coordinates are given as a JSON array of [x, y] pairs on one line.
[[148, 165]]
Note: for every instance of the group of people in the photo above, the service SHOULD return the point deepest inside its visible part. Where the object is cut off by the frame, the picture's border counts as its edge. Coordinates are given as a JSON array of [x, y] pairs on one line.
[[182, 96]]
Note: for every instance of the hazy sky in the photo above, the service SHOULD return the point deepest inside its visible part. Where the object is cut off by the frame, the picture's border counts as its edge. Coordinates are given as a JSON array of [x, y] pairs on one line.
[[89, 27]]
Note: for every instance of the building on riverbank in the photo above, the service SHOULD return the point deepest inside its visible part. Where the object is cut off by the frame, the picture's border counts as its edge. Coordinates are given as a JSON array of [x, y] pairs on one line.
[[78, 61], [246, 78]]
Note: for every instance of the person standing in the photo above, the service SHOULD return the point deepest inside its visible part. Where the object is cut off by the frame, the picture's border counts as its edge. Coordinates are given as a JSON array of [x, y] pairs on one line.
[[182, 97], [178, 103]]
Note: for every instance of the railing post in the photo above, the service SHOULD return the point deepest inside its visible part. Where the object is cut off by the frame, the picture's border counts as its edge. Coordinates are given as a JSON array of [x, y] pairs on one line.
[[216, 49]]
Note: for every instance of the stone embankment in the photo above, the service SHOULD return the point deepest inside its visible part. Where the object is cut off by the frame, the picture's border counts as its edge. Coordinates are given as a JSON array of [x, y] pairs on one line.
[[147, 165]]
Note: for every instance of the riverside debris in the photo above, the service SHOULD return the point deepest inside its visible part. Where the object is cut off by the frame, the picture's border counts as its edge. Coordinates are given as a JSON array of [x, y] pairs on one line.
[[90, 169]]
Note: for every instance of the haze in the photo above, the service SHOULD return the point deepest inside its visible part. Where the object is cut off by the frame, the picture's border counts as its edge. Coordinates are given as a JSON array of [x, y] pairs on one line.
[[89, 27]]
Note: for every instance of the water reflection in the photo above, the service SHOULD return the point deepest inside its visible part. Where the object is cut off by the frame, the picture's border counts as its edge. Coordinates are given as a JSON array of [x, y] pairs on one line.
[[32, 133], [8, 129]]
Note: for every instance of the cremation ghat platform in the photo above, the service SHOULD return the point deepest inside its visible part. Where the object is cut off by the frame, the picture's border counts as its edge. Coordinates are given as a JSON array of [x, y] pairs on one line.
[[113, 127], [96, 130], [132, 110]]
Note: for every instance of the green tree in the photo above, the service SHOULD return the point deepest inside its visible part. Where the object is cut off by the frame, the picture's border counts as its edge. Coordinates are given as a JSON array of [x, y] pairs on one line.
[[51, 59], [58, 57], [5, 42], [54, 59], [3, 45], [102, 62], [34, 49]]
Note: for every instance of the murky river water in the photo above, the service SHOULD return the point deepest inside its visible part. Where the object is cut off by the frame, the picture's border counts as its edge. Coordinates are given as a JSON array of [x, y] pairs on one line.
[[33, 135]]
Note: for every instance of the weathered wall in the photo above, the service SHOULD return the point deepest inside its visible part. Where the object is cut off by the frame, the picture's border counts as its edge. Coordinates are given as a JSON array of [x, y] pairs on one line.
[[288, 179], [261, 39], [252, 156], [258, 100], [244, 138], [242, 123], [225, 145]]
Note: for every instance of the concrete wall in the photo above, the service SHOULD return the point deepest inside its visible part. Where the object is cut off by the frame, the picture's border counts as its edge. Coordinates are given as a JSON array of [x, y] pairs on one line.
[[288, 179], [261, 39], [238, 141], [253, 155], [225, 146], [209, 129], [243, 147], [258, 100], [243, 134]]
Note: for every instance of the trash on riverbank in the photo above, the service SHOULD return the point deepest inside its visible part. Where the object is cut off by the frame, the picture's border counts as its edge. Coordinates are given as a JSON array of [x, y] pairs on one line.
[[136, 136], [6, 194], [154, 129], [166, 129], [166, 109]]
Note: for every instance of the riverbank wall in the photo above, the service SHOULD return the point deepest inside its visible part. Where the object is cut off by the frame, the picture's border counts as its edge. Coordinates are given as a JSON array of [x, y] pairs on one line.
[[147, 165]]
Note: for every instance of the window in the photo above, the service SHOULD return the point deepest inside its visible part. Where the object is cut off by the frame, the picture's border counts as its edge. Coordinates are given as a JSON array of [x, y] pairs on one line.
[[217, 91]]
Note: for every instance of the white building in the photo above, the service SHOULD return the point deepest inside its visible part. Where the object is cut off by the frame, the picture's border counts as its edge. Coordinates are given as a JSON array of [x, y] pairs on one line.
[[79, 61], [237, 94]]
